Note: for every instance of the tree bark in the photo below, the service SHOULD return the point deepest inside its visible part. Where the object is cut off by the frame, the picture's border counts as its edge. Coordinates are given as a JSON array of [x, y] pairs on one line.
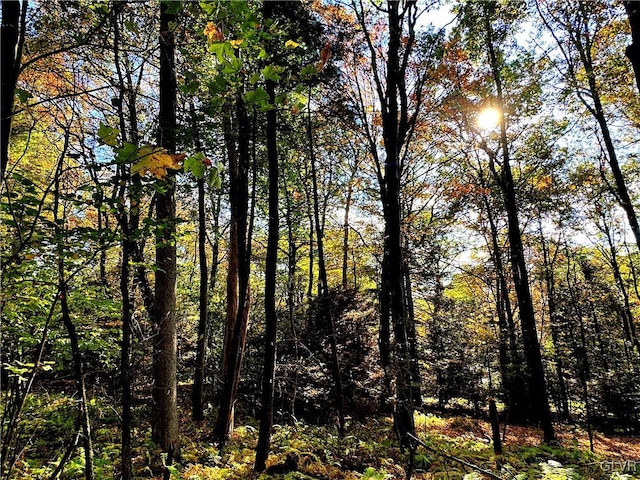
[[165, 415], [271, 316], [12, 36], [633, 50], [345, 237], [394, 136], [197, 395], [554, 317], [509, 356], [537, 387], [416, 380], [238, 294], [126, 455]]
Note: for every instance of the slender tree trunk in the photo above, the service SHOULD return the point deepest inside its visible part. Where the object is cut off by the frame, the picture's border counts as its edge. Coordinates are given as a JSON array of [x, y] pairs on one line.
[[416, 380], [292, 261], [312, 279], [510, 370], [215, 247], [128, 224], [550, 283], [197, 397], [237, 141], [537, 387], [584, 375], [201, 346], [345, 238], [126, 453], [633, 50], [621, 191], [325, 298], [165, 414], [271, 316], [12, 36], [495, 427], [384, 332], [582, 41]]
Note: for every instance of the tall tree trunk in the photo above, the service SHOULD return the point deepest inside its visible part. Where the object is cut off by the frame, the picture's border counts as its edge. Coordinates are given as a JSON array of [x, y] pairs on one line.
[[554, 318], [197, 395], [292, 262], [509, 356], [325, 299], [270, 312], [584, 374], [128, 224], [345, 237], [384, 331], [12, 36], [237, 142], [416, 380], [164, 413], [633, 50], [537, 387], [394, 137], [312, 279], [126, 454]]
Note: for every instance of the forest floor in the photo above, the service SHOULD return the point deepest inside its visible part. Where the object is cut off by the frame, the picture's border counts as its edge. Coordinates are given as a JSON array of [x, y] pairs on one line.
[[302, 451]]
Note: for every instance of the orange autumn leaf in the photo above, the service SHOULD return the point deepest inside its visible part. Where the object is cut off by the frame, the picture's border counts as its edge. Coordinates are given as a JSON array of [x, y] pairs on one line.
[[325, 54], [213, 33]]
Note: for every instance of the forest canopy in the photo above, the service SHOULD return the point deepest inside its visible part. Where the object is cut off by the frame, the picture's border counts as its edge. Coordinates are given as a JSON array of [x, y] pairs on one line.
[[244, 221]]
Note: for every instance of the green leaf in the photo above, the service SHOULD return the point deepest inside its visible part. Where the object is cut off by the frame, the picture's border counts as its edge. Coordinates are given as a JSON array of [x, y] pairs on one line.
[[108, 135], [208, 7], [309, 70], [215, 180], [191, 87], [271, 73], [23, 95], [173, 6], [195, 164], [254, 78], [127, 153], [258, 96], [132, 26]]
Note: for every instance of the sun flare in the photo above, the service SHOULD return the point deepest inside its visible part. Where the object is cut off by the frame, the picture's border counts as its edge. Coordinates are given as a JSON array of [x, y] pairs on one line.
[[489, 118]]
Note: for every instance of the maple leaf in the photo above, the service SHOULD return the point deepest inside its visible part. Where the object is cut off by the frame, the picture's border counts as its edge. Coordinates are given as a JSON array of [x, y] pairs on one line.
[[156, 162], [213, 33]]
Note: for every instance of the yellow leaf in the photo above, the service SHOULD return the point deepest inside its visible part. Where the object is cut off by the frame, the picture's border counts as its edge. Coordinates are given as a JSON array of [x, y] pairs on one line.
[[236, 43], [291, 44], [212, 33], [156, 161]]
